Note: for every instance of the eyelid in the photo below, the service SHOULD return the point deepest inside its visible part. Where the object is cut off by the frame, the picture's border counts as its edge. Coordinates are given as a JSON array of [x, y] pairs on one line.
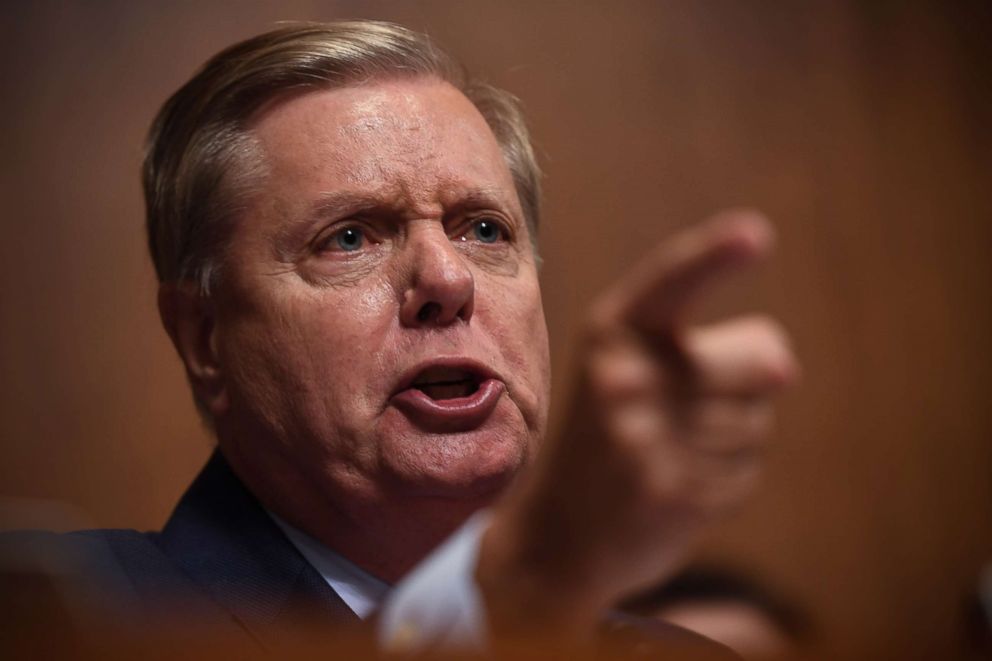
[[322, 242], [505, 226]]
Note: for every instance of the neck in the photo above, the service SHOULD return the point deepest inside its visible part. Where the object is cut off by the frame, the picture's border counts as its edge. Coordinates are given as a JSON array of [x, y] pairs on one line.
[[384, 534], [389, 544]]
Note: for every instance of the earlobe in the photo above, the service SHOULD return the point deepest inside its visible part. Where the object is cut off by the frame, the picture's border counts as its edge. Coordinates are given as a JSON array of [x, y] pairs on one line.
[[189, 318]]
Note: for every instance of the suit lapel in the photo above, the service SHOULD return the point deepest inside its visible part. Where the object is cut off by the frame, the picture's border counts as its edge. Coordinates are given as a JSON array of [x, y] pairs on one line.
[[220, 536]]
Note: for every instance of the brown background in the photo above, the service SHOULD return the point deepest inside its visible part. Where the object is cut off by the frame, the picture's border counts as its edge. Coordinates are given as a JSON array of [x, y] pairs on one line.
[[861, 128]]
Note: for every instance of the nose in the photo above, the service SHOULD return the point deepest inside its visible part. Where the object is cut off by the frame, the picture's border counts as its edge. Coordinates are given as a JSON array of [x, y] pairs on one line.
[[440, 287]]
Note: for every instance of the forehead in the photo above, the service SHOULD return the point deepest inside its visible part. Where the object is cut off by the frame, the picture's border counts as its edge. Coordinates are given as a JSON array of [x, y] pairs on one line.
[[406, 137]]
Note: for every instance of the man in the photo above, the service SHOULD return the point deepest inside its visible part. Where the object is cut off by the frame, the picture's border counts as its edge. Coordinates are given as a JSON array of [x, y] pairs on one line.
[[344, 229]]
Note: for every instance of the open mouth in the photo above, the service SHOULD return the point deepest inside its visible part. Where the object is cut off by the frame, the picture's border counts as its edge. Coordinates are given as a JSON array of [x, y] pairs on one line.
[[449, 395], [447, 382]]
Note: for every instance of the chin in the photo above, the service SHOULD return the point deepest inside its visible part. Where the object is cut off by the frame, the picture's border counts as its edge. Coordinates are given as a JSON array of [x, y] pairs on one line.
[[473, 466]]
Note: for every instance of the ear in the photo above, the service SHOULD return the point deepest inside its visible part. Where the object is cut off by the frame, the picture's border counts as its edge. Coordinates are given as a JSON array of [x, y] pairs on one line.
[[189, 318]]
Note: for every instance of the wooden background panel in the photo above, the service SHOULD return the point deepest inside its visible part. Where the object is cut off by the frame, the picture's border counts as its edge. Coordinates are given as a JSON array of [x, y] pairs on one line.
[[862, 129]]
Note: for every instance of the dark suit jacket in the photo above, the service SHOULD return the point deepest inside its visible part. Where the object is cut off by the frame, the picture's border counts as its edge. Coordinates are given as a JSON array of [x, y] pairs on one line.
[[220, 565]]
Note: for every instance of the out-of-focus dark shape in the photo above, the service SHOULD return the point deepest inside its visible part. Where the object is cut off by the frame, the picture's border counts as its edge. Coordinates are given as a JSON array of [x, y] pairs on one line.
[[730, 607], [978, 616]]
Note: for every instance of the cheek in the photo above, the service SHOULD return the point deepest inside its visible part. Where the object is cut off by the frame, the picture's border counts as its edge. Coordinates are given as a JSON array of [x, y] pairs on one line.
[[260, 374], [340, 337], [309, 357], [521, 332]]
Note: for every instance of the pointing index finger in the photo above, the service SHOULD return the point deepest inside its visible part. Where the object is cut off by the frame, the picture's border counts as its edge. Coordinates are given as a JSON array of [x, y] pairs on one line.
[[653, 296]]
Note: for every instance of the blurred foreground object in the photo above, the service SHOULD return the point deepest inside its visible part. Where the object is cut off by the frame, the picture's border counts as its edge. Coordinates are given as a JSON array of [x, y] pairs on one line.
[[730, 607]]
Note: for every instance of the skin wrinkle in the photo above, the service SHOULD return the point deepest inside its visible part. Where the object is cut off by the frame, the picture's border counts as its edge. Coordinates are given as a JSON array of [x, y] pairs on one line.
[[369, 122]]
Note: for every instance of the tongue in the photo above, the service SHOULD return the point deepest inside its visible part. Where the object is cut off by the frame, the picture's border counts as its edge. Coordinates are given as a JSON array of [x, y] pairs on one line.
[[447, 390]]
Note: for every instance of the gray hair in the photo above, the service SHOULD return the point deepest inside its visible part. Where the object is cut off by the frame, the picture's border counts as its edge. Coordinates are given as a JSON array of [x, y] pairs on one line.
[[201, 160]]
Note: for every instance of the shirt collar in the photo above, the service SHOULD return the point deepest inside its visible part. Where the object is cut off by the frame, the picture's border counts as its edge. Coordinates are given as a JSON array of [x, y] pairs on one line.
[[360, 590]]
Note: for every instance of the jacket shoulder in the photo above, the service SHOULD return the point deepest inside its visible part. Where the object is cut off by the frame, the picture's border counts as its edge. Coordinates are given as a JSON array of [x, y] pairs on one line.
[[122, 571]]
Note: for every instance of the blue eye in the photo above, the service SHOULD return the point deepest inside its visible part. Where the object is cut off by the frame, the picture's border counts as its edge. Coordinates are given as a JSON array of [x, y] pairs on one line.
[[487, 231], [350, 239]]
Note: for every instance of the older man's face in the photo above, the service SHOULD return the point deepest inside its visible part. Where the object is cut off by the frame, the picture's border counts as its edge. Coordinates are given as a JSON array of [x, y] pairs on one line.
[[379, 320]]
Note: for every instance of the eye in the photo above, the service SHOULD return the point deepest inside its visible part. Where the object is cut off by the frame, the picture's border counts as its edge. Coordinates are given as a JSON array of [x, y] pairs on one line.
[[349, 239], [487, 231]]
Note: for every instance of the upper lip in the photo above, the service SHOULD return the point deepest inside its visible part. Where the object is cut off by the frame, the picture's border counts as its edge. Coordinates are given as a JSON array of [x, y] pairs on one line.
[[473, 367]]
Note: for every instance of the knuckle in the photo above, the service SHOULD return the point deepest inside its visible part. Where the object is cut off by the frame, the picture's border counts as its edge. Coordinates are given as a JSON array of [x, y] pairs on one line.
[[773, 361], [766, 328]]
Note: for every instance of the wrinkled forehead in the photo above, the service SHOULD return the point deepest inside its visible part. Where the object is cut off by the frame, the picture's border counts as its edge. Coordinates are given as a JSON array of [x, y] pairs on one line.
[[405, 135]]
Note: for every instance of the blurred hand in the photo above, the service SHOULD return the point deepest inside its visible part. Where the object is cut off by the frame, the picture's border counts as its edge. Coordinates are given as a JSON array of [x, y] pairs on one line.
[[667, 434]]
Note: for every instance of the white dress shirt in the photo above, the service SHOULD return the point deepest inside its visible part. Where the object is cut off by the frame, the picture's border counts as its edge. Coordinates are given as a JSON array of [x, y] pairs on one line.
[[436, 606], [360, 590]]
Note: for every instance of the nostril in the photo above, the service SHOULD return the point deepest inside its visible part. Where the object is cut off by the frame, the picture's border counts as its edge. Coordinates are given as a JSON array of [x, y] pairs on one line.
[[428, 311]]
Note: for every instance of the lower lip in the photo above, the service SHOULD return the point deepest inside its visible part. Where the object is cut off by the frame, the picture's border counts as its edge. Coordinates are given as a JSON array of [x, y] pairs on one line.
[[450, 415]]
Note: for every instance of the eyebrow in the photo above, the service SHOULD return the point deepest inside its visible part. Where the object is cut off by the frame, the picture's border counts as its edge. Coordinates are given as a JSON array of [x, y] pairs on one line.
[[479, 198], [344, 203], [453, 200]]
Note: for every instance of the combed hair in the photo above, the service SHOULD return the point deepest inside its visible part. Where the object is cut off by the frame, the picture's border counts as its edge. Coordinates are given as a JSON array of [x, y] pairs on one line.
[[201, 160]]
